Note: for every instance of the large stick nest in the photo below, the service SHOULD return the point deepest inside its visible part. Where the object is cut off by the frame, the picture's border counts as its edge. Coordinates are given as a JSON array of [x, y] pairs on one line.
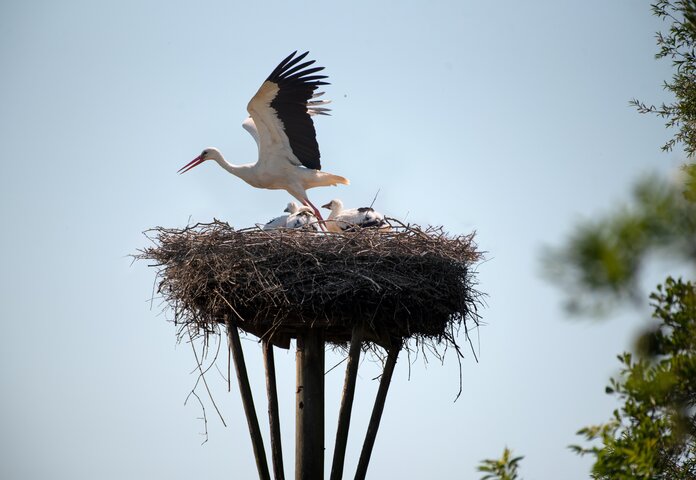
[[400, 284]]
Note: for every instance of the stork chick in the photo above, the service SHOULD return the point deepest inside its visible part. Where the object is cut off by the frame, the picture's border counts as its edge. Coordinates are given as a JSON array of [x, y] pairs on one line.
[[342, 220], [282, 221], [304, 218]]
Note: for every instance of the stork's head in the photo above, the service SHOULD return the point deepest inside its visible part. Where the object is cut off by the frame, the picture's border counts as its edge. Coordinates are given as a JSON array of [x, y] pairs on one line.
[[334, 205], [206, 154], [291, 208]]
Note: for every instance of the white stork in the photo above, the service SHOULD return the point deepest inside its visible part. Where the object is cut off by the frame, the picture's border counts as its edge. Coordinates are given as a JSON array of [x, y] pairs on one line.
[[280, 122], [282, 221], [341, 220]]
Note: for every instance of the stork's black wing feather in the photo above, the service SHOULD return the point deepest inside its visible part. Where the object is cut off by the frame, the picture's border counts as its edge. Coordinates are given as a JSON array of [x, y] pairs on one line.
[[297, 68], [296, 85], [287, 63]]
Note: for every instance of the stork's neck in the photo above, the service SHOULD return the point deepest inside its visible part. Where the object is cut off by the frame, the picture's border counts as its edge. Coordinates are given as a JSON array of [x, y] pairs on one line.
[[336, 209], [245, 172]]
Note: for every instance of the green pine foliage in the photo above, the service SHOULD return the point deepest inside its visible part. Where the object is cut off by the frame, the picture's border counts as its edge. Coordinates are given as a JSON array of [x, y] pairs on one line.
[[652, 436], [677, 44]]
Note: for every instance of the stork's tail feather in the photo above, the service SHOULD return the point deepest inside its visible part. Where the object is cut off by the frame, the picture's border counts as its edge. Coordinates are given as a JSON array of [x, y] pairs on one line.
[[326, 179], [341, 180]]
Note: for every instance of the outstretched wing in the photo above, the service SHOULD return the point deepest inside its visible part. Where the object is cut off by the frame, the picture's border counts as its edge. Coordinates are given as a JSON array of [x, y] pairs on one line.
[[250, 127], [282, 111]]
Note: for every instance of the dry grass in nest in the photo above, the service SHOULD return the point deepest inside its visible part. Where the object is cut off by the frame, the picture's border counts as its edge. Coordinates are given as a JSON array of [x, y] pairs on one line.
[[402, 284]]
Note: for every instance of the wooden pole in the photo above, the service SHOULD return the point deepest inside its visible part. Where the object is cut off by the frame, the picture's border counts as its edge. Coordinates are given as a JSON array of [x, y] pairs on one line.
[[273, 417], [373, 426], [346, 403], [309, 409], [248, 401]]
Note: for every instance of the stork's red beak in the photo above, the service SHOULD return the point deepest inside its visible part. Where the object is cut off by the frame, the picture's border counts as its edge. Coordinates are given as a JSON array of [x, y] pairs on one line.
[[196, 161]]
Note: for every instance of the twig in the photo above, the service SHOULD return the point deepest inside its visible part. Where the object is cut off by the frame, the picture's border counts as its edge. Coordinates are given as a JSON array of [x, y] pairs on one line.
[[205, 383], [344, 359], [375, 199], [204, 417]]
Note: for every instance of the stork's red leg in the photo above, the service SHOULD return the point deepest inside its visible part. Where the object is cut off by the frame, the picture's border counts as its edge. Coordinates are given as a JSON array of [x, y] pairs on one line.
[[317, 213]]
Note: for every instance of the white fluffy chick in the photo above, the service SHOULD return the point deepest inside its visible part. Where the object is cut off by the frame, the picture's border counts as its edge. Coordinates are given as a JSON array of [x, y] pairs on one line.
[[282, 221], [347, 219]]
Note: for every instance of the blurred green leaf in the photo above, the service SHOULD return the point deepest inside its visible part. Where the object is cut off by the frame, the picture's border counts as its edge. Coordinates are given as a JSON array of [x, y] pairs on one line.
[[690, 183], [601, 262], [504, 468]]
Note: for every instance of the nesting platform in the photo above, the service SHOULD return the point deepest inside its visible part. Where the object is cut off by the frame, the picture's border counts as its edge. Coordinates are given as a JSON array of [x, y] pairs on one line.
[[353, 289], [408, 282]]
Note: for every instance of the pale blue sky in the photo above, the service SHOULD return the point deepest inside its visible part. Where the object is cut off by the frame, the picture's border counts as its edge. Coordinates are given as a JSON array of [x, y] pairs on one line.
[[508, 118]]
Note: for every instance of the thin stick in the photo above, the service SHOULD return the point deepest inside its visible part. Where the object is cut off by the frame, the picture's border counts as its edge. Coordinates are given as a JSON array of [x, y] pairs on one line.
[[375, 199], [376, 414], [248, 401], [201, 376], [273, 416], [346, 403]]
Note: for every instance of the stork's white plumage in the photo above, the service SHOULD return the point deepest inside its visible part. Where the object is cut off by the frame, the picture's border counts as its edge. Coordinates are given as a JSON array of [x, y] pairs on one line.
[[341, 219], [282, 221], [280, 122], [304, 218]]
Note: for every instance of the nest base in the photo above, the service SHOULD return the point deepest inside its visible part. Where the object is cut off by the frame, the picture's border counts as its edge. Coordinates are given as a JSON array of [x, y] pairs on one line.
[[402, 284]]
